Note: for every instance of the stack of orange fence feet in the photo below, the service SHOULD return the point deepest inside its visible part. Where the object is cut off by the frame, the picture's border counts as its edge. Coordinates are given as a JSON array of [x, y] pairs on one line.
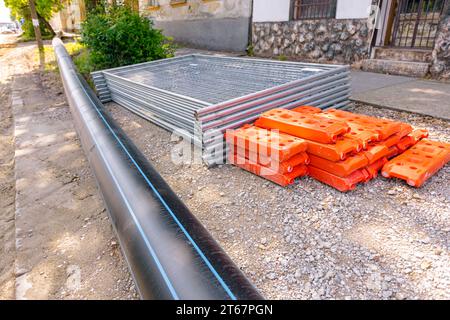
[[345, 149], [275, 156], [359, 154]]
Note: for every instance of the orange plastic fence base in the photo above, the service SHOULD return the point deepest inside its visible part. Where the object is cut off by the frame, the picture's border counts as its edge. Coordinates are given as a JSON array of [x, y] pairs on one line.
[[307, 110], [306, 126], [342, 184], [375, 167], [367, 130], [360, 133], [376, 152], [269, 143], [340, 168], [393, 152], [419, 163], [363, 134], [280, 179], [283, 167], [342, 149], [385, 128], [407, 142], [405, 129]]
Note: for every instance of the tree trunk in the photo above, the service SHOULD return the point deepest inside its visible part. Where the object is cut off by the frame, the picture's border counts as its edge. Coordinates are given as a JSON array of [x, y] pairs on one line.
[[47, 24], [37, 30]]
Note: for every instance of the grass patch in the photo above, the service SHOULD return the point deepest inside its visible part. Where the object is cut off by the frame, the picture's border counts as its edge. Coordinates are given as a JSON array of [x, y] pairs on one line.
[[82, 57], [25, 38]]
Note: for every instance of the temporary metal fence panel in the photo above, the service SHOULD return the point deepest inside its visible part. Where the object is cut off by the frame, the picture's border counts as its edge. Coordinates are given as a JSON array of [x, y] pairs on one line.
[[200, 94]]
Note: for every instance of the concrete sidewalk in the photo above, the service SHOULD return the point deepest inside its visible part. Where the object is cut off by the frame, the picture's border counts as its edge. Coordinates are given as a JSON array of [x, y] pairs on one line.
[[425, 97]]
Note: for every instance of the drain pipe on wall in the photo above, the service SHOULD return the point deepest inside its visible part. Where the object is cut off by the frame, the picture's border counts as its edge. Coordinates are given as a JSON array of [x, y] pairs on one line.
[[169, 252], [374, 31]]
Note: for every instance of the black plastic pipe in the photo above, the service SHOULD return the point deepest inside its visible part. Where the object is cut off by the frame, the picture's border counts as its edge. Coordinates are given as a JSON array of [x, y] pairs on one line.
[[169, 252]]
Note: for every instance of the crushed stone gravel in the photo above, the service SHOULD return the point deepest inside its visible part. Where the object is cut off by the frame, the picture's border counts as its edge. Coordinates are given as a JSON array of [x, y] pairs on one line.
[[385, 240]]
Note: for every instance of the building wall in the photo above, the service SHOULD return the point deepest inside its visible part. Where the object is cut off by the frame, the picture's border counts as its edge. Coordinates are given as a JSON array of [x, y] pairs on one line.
[[345, 39], [440, 65], [269, 10], [70, 17], [353, 9], [209, 24]]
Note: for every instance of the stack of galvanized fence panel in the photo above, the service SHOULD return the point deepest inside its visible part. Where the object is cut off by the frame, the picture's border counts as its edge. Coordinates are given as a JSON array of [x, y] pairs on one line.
[[202, 96]]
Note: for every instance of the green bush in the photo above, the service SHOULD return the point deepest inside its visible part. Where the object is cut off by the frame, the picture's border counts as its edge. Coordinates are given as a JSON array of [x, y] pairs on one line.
[[122, 37]]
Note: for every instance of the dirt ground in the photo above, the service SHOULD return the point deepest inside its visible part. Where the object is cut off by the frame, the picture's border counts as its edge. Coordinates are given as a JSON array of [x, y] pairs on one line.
[[56, 240], [384, 240], [7, 181]]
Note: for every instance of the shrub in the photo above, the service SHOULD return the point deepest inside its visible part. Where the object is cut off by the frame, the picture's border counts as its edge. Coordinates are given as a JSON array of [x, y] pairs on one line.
[[122, 37]]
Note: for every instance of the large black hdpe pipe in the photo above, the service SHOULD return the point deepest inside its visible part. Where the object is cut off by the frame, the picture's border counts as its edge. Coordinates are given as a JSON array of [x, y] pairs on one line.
[[169, 252]]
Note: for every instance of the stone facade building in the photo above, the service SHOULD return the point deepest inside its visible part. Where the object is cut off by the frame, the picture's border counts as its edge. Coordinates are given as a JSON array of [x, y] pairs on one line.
[[336, 32], [409, 37]]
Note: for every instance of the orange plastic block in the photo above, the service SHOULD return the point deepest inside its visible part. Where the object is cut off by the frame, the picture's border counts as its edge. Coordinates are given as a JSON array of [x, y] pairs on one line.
[[306, 126], [283, 167], [375, 167], [405, 129], [419, 163], [273, 144], [384, 127], [363, 134], [341, 168], [411, 139], [375, 153], [281, 179], [342, 184], [334, 152], [307, 110], [358, 132], [393, 151]]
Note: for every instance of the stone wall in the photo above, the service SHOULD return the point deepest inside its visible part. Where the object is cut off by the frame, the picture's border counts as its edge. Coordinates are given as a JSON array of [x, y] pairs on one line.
[[327, 40], [440, 65]]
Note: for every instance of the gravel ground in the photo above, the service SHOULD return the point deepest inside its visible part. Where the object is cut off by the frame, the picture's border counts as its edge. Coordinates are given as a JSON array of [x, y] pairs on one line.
[[385, 240]]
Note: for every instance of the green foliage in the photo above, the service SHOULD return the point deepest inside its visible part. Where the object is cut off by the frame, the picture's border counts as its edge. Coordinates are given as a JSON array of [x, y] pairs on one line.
[[250, 51], [44, 8], [122, 37], [84, 64], [28, 35]]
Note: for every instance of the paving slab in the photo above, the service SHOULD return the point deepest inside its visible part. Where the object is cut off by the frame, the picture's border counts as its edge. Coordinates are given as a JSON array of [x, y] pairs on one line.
[[431, 98]]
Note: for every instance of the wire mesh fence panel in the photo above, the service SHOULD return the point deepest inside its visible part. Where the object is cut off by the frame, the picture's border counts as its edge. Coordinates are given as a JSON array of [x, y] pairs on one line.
[[200, 93]]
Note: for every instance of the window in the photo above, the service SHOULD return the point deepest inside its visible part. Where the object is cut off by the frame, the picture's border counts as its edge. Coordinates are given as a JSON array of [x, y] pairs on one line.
[[314, 9], [153, 3], [177, 1]]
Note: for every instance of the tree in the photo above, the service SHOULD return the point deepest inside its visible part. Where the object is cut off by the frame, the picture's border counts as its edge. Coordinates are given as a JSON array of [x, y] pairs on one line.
[[45, 9]]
